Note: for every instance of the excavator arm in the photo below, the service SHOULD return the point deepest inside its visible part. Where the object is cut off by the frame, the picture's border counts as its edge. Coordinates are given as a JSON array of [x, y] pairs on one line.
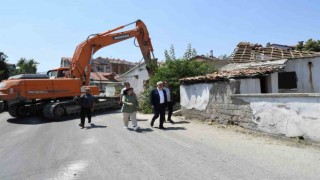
[[82, 58]]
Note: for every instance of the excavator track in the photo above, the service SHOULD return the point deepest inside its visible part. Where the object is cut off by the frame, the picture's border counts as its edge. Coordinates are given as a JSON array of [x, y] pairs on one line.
[[13, 111], [19, 110], [54, 111], [58, 110]]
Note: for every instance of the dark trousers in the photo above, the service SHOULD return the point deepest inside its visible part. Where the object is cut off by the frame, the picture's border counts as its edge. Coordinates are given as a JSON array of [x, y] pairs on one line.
[[170, 109], [159, 110], [85, 112]]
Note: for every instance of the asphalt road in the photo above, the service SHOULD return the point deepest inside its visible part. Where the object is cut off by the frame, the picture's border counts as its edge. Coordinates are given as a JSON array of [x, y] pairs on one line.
[[35, 148]]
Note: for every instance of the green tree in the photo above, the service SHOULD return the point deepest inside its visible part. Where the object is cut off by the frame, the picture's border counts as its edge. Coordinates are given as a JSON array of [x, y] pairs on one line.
[[312, 45], [25, 66], [172, 71], [171, 55], [309, 45], [190, 52], [4, 71], [299, 46], [144, 102]]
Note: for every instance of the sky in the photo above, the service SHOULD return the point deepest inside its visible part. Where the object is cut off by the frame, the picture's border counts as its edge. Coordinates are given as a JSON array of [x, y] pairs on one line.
[[46, 30]]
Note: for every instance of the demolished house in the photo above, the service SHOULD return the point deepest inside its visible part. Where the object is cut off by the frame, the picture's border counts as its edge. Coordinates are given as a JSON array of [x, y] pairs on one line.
[[264, 88]]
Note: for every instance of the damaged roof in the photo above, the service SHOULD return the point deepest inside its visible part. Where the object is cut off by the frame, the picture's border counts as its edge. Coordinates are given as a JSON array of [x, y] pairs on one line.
[[252, 60], [228, 74], [277, 64], [248, 52]]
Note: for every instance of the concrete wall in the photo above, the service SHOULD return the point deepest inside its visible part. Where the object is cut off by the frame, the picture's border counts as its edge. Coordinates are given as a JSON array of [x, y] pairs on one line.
[[248, 86], [292, 115], [308, 75], [274, 83]]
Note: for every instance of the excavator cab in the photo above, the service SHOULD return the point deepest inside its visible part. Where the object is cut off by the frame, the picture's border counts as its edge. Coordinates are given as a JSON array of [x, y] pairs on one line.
[[59, 73]]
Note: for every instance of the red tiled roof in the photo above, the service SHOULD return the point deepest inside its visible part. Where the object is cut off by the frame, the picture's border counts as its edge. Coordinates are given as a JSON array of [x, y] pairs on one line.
[[241, 73], [100, 76]]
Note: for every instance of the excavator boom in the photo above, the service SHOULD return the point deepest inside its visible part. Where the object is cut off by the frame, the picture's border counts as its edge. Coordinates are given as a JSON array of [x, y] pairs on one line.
[[81, 61]]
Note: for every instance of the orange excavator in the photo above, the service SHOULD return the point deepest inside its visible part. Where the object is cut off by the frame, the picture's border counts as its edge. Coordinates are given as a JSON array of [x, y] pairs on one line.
[[28, 94]]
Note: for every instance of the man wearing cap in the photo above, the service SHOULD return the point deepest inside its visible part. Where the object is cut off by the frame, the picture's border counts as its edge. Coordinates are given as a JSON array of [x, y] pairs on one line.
[[158, 103], [86, 103]]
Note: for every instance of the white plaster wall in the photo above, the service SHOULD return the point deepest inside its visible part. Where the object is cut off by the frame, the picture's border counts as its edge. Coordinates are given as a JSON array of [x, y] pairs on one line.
[[290, 116], [300, 66], [274, 83], [137, 84], [250, 86], [195, 96]]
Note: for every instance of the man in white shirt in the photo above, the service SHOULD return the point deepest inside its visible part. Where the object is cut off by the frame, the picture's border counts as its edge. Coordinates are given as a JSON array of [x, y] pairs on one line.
[[158, 103]]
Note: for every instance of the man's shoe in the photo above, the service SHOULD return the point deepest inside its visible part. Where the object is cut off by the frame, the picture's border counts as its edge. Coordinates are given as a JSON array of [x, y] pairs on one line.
[[81, 125], [136, 128], [170, 121], [162, 127], [151, 124]]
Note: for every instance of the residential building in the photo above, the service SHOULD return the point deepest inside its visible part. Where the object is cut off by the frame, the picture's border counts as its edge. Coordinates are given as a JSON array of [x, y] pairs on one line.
[[265, 89], [107, 82], [105, 73], [137, 77], [106, 65]]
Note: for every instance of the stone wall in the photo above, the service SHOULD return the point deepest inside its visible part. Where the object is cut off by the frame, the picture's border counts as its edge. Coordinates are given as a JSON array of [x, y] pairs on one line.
[[213, 102]]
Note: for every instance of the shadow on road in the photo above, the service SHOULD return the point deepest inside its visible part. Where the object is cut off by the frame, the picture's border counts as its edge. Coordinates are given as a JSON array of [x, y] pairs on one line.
[[34, 120], [182, 122], [142, 119], [172, 128], [95, 126], [30, 120], [141, 130]]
